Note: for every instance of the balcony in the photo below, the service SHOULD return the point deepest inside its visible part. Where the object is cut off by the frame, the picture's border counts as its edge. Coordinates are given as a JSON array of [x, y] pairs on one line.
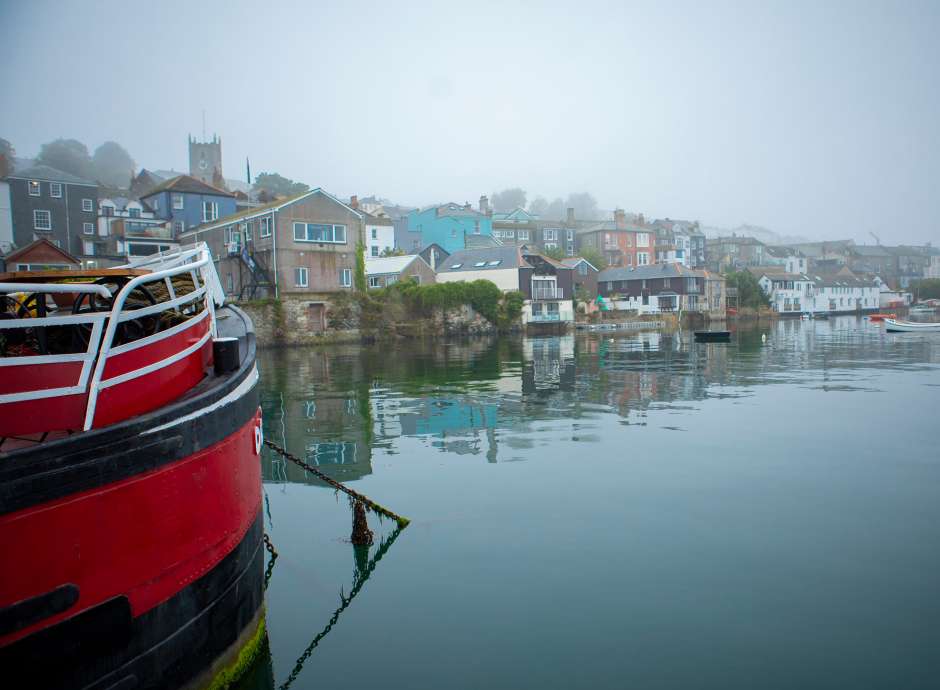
[[143, 230], [540, 292], [547, 317]]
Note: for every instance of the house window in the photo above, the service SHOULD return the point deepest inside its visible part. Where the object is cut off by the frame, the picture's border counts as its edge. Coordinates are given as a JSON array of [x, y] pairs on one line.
[[89, 248], [345, 277], [33, 187], [524, 235], [315, 232], [551, 245], [178, 202], [665, 282], [375, 250], [642, 240], [549, 235], [570, 235], [55, 190], [536, 309], [155, 203], [134, 212], [210, 211], [106, 210], [375, 233], [642, 258], [42, 220], [265, 227], [178, 227], [247, 227], [629, 259], [300, 276], [88, 205], [374, 282], [476, 227], [88, 229], [582, 269]]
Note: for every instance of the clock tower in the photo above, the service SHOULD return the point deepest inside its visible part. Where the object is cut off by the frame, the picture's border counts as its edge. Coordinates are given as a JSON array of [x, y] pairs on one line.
[[205, 160]]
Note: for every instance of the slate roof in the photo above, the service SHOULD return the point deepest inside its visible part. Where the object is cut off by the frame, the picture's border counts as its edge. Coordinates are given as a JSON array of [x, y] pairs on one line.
[[671, 270], [481, 241], [573, 261], [508, 256], [389, 264], [187, 184], [46, 173]]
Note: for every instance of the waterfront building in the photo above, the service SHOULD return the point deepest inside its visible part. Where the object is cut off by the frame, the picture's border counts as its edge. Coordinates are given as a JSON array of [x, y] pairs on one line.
[[305, 244], [584, 277], [39, 255], [448, 225], [822, 290], [622, 244], [547, 284], [379, 230], [187, 202], [129, 229], [542, 235], [833, 251], [785, 258], [661, 288], [54, 205], [679, 241], [385, 271], [734, 253]]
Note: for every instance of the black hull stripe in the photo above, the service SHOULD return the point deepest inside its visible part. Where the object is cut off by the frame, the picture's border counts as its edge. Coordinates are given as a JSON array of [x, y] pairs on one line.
[[163, 648], [96, 458], [24, 613]]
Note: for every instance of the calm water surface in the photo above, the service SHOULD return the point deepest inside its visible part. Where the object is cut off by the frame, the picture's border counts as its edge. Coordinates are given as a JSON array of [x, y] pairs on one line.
[[611, 511]]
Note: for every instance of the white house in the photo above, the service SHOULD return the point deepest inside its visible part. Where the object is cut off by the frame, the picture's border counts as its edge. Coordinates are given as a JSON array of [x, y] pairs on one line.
[[380, 234], [133, 229], [817, 291], [546, 284]]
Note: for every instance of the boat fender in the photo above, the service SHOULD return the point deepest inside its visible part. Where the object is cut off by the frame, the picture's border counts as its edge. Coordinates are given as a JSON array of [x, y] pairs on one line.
[[225, 355]]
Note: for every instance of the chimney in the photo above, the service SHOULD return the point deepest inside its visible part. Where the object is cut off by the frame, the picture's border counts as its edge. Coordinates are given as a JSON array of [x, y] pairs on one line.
[[569, 219], [484, 205], [354, 202], [620, 218], [641, 221]]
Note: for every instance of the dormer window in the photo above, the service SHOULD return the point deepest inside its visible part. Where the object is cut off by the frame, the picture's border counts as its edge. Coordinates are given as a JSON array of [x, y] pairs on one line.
[[455, 266], [479, 264]]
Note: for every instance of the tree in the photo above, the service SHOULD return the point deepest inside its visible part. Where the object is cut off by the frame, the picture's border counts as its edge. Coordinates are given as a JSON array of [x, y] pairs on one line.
[[929, 288], [509, 200], [594, 257], [584, 205], [555, 253], [113, 165], [6, 158], [272, 186], [548, 210], [67, 155], [389, 251], [750, 293]]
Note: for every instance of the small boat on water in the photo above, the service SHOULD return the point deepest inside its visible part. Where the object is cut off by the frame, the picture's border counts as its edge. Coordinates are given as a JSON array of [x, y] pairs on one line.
[[923, 309], [712, 336], [895, 326], [130, 477], [881, 317]]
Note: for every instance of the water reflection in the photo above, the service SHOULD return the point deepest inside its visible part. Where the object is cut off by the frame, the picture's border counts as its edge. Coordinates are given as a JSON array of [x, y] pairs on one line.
[[480, 397]]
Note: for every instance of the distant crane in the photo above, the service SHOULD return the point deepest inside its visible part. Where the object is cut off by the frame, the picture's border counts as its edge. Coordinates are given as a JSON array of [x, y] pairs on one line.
[[877, 239]]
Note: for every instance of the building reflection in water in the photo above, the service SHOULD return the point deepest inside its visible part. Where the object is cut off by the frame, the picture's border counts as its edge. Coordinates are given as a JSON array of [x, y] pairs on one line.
[[480, 397]]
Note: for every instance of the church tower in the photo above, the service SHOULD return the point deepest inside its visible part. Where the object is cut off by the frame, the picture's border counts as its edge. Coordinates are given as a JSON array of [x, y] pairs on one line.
[[205, 161]]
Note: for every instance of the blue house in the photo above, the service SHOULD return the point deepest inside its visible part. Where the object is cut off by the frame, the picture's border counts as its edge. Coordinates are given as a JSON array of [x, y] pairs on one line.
[[189, 202], [448, 225]]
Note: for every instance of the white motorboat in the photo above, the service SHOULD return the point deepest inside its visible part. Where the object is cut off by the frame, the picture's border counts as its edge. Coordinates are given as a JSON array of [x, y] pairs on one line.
[[895, 326]]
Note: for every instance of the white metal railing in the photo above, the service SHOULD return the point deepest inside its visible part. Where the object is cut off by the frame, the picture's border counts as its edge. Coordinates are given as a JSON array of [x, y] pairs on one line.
[[545, 292], [197, 262]]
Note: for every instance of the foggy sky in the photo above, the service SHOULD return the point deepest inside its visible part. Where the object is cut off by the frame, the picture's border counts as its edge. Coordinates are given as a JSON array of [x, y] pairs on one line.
[[818, 121]]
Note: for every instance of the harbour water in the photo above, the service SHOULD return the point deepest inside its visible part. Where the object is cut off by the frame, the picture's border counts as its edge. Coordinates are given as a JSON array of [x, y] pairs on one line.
[[608, 511]]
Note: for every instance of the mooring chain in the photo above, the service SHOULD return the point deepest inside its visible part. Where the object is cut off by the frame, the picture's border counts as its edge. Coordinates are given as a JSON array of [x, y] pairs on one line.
[[270, 547], [369, 503], [359, 581]]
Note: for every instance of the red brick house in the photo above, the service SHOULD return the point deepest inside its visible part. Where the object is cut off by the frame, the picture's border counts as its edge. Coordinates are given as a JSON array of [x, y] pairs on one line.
[[39, 255]]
